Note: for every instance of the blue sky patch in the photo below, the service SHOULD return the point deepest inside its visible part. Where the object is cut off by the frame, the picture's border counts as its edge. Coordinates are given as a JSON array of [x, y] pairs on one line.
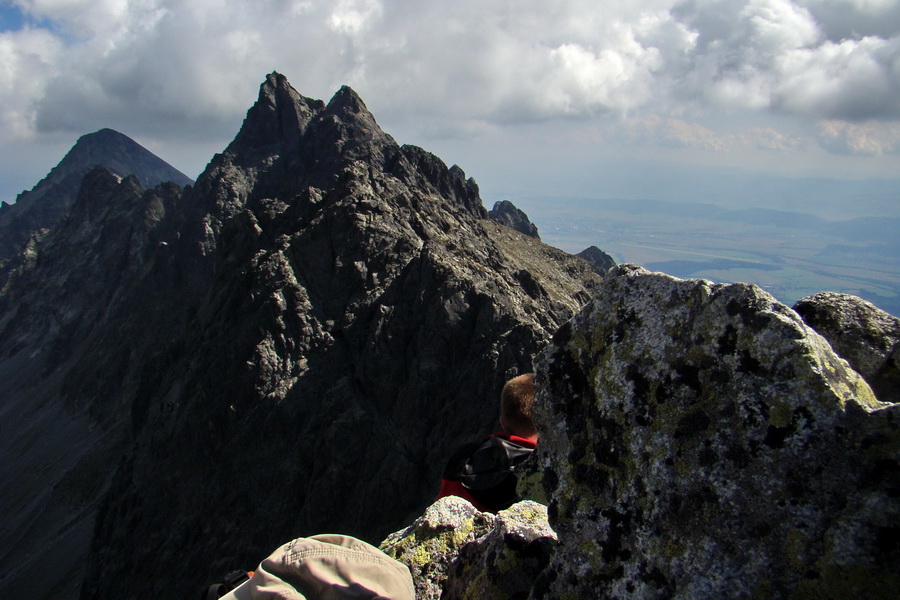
[[11, 18]]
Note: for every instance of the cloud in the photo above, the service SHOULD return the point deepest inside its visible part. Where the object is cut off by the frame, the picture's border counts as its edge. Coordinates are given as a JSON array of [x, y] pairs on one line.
[[851, 19], [852, 80], [870, 138], [654, 130], [189, 69], [352, 16], [496, 62], [28, 60]]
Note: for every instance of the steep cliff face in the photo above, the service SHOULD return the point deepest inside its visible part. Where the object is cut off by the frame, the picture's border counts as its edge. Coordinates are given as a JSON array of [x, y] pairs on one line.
[[77, 321], [294, 345]]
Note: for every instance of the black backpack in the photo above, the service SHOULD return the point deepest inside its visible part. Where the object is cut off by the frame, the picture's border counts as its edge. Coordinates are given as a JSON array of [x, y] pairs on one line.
[[486, 469]]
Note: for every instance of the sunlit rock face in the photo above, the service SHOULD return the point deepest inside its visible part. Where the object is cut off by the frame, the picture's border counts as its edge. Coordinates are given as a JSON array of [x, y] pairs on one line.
[[455, 551], [864, 335], [700, 441]]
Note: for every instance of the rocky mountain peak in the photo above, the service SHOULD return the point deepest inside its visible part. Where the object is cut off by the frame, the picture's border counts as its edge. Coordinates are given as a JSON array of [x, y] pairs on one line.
[[348, 101], [49, 201], [507, 213], [275, 123], [294, 344], [290, 144], [599, 260], [120, 155]]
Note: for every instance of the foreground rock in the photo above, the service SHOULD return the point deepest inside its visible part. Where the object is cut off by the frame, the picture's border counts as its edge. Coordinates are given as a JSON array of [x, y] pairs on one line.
[[456, 552], [862, 334], [700, 441]]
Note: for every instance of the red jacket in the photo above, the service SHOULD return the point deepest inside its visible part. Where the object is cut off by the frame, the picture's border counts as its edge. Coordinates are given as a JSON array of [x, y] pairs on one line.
[[482, 472]]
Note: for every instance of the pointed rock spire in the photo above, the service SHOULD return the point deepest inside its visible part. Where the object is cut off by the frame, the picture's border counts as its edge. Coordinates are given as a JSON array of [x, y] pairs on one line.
[[276, 122]]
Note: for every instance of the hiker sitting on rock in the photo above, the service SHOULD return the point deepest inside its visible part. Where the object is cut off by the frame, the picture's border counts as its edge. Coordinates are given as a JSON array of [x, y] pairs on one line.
[[482, 471]]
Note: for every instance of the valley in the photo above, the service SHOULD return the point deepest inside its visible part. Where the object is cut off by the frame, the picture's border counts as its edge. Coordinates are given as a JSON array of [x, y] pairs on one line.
[[789, 254]]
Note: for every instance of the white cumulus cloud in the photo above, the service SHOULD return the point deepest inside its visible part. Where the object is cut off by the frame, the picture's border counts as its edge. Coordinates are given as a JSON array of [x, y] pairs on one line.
[[189, 69]]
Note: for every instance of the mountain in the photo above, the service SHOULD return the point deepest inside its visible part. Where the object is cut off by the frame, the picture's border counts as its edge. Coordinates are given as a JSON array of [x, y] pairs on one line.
[[599, 260], [293, 345], [505, 212], [51, 199]]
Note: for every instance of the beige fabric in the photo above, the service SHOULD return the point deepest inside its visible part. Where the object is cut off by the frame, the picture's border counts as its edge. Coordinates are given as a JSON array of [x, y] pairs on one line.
[[327, 567]]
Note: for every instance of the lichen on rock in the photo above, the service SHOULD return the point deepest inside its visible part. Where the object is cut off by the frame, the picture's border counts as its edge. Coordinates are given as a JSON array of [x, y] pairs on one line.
[[864, 335], [699, 440], [431, 543], [455, 551]]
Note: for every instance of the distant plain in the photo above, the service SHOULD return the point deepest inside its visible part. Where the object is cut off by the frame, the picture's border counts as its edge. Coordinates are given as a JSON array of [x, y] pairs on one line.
[[789, 254]]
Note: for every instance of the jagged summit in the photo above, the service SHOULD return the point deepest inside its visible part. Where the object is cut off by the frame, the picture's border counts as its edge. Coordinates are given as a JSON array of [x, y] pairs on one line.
[[277, 124], [347, 99], [289, 143], [507, 213], [276, 121]]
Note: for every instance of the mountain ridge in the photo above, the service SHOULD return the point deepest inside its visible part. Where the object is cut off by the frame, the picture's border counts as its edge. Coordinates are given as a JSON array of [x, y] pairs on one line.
[[319, 283]]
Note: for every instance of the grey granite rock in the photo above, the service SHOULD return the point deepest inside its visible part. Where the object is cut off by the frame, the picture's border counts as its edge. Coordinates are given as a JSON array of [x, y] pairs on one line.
[[700, 441], [508, 560], [861, 333], [430, 546]]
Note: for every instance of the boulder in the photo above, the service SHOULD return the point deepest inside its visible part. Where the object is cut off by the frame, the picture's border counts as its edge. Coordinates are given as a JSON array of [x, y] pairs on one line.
[[455, 551], [701, 441], [861, 333]]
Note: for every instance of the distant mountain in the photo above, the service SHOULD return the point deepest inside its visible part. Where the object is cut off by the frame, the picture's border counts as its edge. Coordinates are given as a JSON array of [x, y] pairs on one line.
[[599, 260], [508, 214], [50, 200], [294, 345]]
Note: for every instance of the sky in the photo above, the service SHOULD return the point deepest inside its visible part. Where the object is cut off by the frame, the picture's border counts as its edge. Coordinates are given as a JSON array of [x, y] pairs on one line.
[[651, 98]]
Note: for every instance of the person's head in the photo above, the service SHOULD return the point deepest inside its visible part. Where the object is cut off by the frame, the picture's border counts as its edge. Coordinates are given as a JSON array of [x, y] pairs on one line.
[[516, 401]]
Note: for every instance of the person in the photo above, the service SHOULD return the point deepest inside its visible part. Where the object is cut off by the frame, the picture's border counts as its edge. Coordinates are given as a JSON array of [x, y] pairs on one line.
[[482, 472], [326, 567]]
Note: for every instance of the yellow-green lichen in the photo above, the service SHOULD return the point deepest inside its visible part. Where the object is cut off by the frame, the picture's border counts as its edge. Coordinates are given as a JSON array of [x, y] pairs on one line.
[[780, 413], [506, 561], [420, 556]]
